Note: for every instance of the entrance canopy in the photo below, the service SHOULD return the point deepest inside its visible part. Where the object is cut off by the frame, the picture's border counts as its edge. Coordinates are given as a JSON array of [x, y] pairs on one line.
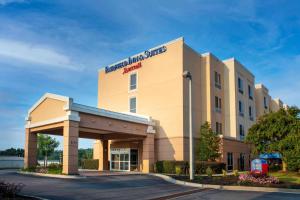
[[59, 115]]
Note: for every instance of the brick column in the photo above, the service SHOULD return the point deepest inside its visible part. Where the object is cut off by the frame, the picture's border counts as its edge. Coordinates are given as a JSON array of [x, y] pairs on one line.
[[70, 152], [103, 154], [148, 153], [30, 155]]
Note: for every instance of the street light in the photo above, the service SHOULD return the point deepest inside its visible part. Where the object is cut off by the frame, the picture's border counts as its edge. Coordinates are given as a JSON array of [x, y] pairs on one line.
[[188, 75]]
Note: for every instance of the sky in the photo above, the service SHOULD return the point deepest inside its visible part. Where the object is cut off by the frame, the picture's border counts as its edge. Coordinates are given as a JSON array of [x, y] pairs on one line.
[[58, 46]]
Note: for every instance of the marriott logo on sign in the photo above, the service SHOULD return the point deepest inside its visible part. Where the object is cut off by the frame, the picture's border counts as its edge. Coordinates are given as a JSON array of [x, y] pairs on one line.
[[131, 68]]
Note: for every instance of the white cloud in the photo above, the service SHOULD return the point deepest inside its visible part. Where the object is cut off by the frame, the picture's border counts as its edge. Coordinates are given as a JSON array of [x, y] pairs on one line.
[[35, 54]]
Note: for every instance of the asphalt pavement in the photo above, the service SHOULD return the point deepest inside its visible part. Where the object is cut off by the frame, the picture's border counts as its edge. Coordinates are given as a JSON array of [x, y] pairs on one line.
[[129, 186]]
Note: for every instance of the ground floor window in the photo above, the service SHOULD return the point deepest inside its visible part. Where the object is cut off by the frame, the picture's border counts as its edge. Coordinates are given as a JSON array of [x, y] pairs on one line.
[[229, 161], [241, 162]]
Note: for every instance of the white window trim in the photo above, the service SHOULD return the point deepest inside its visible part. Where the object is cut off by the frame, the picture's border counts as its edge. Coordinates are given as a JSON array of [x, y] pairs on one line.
[[136, 102], [129, 84]]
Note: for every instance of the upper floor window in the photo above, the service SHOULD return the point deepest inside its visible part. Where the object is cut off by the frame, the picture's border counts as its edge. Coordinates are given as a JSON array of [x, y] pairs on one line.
[[265, 103], [218, 104], [240, 85], [133, 81], [241, 108], [250, 92], [217, 80], [242, 132], [218, 128], [132, 104], [250, 113]]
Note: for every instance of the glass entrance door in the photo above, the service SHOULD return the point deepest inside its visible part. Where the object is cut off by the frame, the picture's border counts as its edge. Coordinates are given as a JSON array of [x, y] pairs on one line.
[[119, 159], [134, 160]]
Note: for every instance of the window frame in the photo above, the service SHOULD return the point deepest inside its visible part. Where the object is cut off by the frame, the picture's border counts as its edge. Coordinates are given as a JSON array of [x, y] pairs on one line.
[[218, 104], [240, 85], [218, 80], [241, 132], [136, 81], [241, 108], [132, 97], [250, 92], [219, 128], [265, 102], [232, 160]]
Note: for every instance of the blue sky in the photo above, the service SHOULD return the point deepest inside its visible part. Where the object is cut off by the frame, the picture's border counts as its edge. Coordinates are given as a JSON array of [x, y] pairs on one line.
[[76, 38]]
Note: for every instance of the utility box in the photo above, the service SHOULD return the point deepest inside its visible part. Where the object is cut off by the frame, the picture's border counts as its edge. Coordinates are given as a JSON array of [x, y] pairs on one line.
[[259, 166]]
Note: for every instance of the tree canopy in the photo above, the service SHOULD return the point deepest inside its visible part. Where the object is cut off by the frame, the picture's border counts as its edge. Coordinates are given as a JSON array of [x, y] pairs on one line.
[[207, 149], [278, 132], [46, 146]]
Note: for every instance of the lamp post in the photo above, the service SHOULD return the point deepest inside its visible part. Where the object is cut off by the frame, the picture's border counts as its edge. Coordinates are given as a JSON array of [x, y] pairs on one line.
[[188, 75]]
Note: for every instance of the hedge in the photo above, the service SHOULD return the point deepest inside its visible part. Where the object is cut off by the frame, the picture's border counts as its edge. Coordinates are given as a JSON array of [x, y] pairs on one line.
[[182, 167], [90, 164]]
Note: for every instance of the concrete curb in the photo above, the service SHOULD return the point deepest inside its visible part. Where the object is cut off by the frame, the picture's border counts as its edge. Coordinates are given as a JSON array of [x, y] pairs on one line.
[[30, 196], [227, 187], [52, 175]]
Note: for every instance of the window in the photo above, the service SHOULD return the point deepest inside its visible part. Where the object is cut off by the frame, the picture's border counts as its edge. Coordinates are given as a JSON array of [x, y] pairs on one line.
[[265, 103], [241, 109], [218, 104], [132, 104], [229, 161], [250, 113], [250, 92], [219, 128], [240, 85], [242, 132], [133, 78], [217, 80]]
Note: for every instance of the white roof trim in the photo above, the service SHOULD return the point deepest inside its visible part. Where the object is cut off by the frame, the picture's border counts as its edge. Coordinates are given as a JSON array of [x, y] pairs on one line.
[[51, 96], [111, 114]]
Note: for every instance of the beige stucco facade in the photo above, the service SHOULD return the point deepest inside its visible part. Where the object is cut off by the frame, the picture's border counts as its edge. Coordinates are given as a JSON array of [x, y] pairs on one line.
[[264, 102], [162, 93], [143, 110]]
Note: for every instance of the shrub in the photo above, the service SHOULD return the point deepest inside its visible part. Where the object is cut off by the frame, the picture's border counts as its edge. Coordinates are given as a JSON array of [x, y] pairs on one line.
[[90, 164], [178, 170], [235, 172], [262, 180], [274, 167], [209, 172], [10, 190], [159, 167], [224, 172], [201, 166], [171, 167]]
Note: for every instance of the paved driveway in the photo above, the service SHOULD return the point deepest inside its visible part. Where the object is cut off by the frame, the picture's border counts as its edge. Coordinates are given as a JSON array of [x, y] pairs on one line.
[[124, 187]]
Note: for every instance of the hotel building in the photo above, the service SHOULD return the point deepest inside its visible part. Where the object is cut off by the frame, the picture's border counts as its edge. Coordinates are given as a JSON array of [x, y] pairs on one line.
[[142, 113]]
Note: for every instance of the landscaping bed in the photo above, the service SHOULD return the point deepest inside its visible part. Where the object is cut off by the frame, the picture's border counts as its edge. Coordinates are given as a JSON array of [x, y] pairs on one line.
[[51, 169], [284, 181]]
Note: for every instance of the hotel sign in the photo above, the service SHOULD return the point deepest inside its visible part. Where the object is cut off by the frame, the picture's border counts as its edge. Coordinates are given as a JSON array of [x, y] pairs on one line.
[[145, 55]]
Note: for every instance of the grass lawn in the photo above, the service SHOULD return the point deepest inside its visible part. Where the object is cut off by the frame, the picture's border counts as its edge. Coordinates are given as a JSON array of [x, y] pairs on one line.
[[288, 177]]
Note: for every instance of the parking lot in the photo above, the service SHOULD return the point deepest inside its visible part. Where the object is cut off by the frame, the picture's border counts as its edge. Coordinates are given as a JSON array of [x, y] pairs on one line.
[[130, 186]]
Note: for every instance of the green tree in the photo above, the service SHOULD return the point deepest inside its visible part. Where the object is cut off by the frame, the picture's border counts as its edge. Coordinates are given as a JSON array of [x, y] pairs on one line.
[[278, 132], [207, 149], [46, 146]]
